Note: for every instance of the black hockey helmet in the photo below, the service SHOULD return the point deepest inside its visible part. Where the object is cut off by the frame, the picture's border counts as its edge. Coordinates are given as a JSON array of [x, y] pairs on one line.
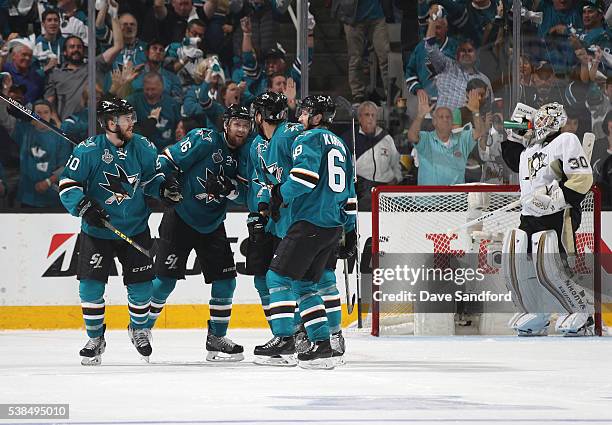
[[272, 107], [319, 104], [236, 111], [110, 106]]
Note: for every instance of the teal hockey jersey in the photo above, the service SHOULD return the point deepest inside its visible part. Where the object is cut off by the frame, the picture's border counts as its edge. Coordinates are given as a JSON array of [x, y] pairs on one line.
[[201, 154], [117, 178], [320, 184], [272, 164]]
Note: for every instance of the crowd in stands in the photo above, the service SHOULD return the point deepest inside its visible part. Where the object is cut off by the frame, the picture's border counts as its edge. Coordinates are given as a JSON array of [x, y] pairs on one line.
[[181, 63]]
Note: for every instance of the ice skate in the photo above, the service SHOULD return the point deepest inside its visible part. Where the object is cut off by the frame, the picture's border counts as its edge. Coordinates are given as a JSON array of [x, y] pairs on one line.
[[93, 350], [338, 346], [302, 344], [319, 356], [223, 349], [279, 351], [141, 338], [576, 324]]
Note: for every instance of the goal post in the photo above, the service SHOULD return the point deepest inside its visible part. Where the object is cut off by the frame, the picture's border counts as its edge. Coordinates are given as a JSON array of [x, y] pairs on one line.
[[415, 220]]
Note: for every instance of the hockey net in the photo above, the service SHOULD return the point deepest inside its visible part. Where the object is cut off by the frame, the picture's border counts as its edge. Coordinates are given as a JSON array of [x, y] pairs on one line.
[[416, 219]]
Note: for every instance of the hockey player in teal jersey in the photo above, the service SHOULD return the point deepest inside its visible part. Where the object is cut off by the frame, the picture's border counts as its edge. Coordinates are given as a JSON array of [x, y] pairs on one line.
[[106, 179], [270, 159], [317, 195], [207, 162]]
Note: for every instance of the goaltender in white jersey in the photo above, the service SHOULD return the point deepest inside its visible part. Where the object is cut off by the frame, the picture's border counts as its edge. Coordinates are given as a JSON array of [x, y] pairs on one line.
[[555, 176]]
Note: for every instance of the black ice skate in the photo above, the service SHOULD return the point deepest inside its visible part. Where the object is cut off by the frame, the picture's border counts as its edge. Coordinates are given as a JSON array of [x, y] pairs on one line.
[[222, 349], [338, 347], [93, 350], [279, 351], [141, 338], [302, 343], [319, 356]]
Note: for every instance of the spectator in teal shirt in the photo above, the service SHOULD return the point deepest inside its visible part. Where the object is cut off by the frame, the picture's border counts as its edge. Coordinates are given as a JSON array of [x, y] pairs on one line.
[[152, 97], [42, 155], [442, 154]]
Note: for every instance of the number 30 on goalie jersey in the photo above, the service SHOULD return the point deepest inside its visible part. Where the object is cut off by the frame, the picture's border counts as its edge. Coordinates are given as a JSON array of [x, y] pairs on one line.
[[320, 187]]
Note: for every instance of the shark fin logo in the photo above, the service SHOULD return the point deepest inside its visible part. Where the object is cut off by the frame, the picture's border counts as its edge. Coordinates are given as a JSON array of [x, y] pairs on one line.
[[120, 185]]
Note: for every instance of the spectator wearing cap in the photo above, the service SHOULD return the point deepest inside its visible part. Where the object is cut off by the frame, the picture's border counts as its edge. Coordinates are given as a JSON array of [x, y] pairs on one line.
[[170, 23], [156, 54], [602, 148], [42, 155], [49, 46], [22, 70], [363, 21], [183, 57], [378, 161], [418, 72], [590, 41], [65, 85], [274, 61], [152, 102], [441, 153], [453, 75]]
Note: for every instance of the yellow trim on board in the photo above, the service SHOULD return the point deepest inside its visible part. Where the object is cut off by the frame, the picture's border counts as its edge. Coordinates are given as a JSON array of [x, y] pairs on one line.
[[172, 317]]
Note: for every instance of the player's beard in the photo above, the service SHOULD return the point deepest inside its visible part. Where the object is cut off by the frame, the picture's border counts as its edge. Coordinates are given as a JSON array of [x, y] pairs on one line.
[[125, 135]]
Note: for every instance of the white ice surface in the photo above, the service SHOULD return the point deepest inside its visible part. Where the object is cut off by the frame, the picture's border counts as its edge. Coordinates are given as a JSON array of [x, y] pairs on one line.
[[386, 381]]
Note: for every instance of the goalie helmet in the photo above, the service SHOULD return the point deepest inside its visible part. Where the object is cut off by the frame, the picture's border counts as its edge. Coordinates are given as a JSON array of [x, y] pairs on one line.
[[548, 119]]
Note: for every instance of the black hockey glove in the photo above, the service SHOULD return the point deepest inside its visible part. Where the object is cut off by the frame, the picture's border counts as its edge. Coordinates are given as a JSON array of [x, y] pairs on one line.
[[256, 223], [220, 186], [276, 202], [170, 191], [90, 211], [349, 247]]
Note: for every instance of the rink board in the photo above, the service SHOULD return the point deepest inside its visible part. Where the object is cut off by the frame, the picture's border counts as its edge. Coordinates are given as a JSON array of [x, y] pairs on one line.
[[38, 287]]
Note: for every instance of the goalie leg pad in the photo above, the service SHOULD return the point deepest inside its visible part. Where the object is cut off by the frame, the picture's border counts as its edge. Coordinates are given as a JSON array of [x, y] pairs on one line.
[[518, 271], [530, 324], [564, 295], [575, 324]]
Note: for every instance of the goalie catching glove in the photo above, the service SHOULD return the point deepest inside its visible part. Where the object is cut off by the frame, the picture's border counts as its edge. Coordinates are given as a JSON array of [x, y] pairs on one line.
[[546, 200], [170, 191], [90, 211]]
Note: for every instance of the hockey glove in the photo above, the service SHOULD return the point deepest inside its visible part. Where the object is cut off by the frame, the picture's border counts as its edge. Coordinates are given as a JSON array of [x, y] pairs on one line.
[[90, 211], [256, 223], [170, 191], [276, 202], [546, 200], [349, 247], [221, 187]]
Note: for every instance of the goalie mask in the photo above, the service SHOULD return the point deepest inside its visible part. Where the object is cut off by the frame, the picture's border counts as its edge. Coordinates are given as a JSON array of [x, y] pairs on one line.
[[548, 119]]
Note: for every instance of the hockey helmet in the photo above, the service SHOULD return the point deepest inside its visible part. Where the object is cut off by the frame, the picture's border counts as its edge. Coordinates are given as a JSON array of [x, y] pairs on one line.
[[318, 104], [236, 111], [272, 107], [548, 119], [110, 106]]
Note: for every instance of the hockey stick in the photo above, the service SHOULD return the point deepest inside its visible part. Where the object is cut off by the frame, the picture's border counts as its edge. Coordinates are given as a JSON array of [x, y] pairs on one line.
[[32, 115], [350, 300], [588, 141]]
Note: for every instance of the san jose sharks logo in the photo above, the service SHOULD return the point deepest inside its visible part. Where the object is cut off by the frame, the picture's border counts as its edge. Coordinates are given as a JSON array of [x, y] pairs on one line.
[[272, 175], [205, 196], [120, 185]]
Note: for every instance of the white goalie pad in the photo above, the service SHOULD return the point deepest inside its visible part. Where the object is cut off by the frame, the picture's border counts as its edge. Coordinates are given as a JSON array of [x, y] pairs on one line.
[[518, 271], [564, 295], [576, 324], [530, 324]]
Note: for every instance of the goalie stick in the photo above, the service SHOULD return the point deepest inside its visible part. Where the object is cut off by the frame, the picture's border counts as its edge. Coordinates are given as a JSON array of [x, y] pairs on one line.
[[350, 296], [588, 141], [32, 115]]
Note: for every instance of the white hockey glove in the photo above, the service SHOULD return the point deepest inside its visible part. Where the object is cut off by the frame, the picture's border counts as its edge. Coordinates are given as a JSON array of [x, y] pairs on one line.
[[546, 200]]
